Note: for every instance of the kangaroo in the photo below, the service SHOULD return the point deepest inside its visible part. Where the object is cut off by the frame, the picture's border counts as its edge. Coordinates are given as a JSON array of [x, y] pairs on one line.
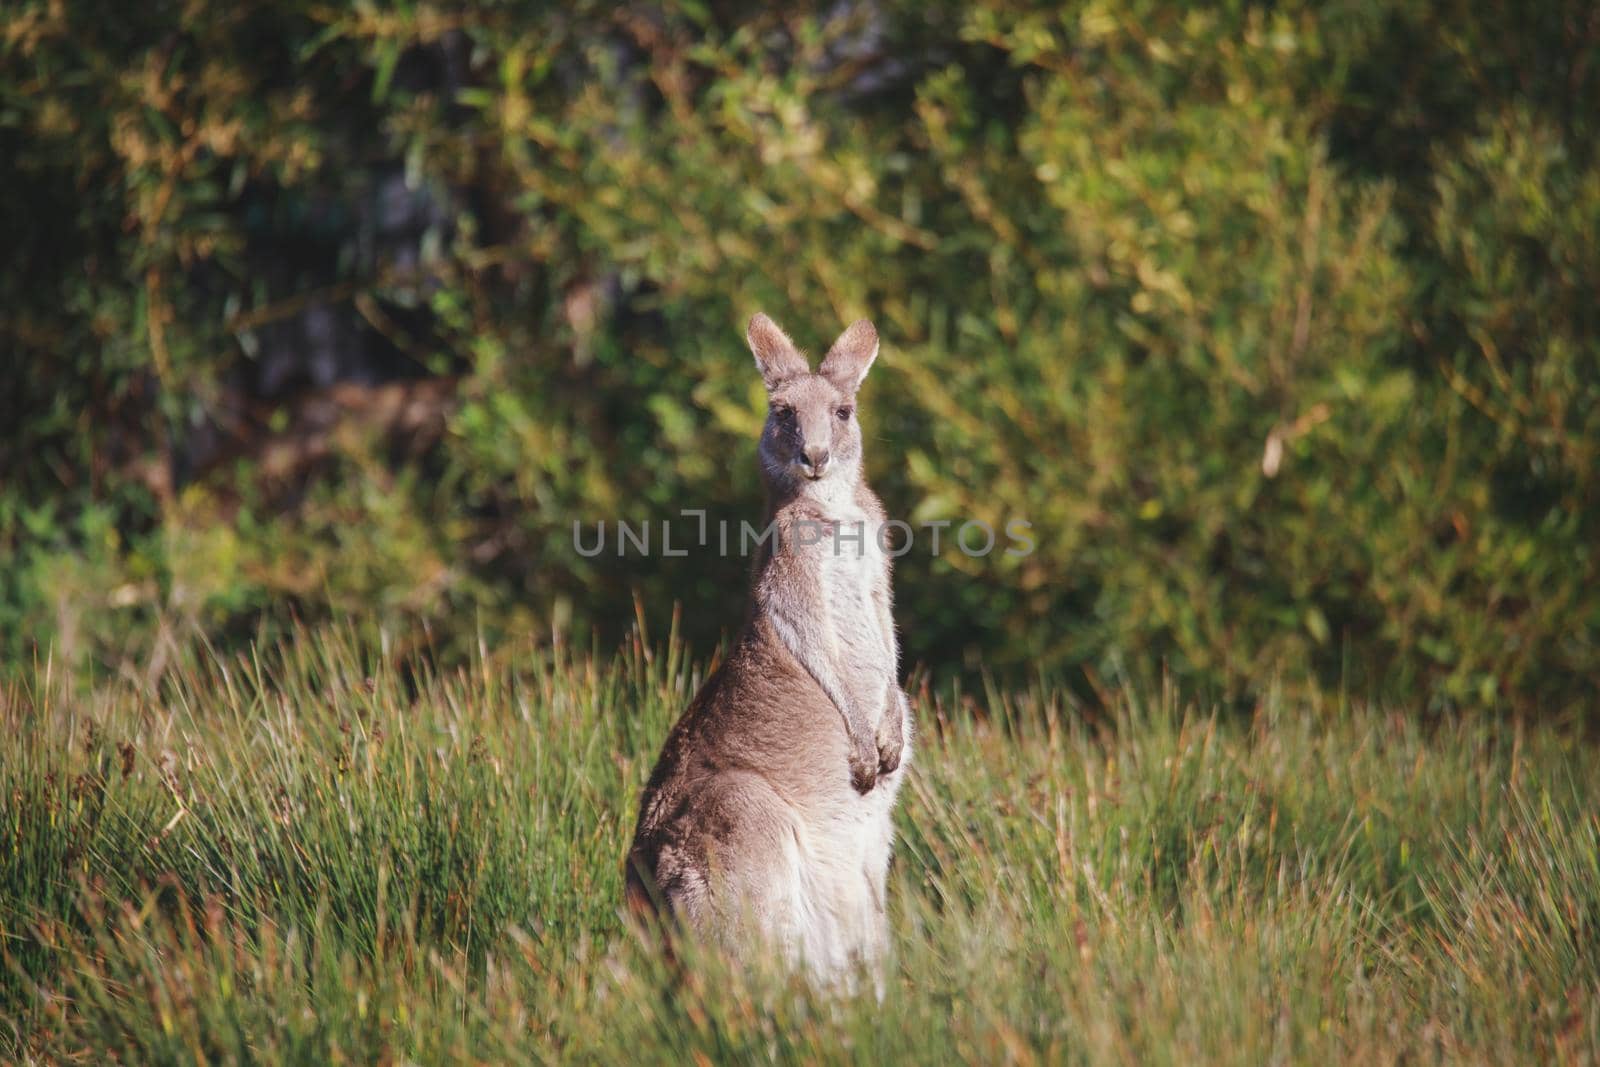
[[767, 819]]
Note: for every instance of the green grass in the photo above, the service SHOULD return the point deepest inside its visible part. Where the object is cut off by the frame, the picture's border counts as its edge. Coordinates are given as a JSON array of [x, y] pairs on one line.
[[315, 856]]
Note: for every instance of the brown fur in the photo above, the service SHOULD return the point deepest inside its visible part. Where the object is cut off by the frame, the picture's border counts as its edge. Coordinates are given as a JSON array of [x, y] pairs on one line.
[[770, 802]]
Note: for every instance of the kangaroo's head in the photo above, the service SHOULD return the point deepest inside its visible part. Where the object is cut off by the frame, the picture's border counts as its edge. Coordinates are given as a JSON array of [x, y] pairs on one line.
[[811, 434]]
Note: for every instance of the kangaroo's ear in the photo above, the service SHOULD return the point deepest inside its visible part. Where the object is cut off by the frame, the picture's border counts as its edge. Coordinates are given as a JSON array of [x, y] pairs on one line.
[[847, 361], [777, 358]]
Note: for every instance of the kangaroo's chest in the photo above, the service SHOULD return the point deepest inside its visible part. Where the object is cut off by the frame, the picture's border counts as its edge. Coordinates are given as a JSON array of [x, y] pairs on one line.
[[853, 576]]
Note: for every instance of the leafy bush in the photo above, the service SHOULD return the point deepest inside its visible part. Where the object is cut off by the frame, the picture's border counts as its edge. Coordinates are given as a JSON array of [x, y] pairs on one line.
[[1277, 325]]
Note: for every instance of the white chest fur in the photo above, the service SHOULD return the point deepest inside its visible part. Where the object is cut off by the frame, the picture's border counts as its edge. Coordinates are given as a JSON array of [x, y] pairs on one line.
[[853, 577]]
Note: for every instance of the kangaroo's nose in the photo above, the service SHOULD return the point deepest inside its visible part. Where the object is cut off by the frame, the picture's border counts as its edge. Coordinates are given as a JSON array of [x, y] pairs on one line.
[[817, 458]]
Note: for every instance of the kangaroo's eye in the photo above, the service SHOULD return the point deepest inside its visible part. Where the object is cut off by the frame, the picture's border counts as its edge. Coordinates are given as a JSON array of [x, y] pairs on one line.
[[783, 414], [844, 414]]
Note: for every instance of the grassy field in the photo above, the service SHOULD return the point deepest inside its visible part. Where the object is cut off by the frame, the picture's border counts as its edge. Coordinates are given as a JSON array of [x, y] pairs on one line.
[[311, 855]]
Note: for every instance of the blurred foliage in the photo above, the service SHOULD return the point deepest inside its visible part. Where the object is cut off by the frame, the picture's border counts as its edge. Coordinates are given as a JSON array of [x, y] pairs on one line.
[[1277, 322]]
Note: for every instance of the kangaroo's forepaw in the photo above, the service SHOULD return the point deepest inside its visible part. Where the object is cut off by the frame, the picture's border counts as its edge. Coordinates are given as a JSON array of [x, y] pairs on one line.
[[889, 756], [863, 773], [891, 741], [863, 777]]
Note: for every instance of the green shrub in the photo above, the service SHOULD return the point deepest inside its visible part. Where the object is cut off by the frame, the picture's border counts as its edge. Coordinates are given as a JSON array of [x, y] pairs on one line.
[[1278, 326]]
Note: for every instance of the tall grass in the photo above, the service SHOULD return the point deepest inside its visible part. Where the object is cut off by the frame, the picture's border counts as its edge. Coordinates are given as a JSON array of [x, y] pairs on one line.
[[316, 854]]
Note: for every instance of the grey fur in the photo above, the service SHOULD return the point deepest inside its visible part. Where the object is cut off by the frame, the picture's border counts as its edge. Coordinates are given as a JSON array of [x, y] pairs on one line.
[[767, 820]]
